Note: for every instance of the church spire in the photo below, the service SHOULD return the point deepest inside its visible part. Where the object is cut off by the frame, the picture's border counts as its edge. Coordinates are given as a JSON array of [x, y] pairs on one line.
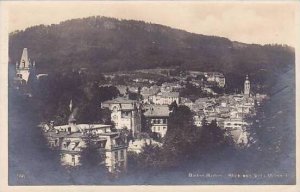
[[247, 86], [25, 62], [23, 68]]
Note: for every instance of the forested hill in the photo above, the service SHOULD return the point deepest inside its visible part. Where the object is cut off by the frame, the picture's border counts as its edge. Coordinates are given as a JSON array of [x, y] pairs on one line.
[[106, 44]]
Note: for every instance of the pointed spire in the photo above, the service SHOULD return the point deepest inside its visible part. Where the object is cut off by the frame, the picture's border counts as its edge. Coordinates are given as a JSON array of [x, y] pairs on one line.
[[25, 61], [71, 105]]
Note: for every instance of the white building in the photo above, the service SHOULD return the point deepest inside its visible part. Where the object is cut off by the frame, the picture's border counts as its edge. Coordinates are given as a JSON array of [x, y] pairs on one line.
[[215, 77], [71, 139], [137, 145], [125, 113], [247, 86], [166, 98], [157, 119], [148, 92]]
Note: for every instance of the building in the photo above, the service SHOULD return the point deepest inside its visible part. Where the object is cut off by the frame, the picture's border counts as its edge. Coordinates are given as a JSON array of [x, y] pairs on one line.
[[72, 138], [216, 77], [137, 145], [147, 93], [247, 86], [125, 113], [198, 120], [187, 102], [166, 98], [171, 87], [24, 68], [157, 119]]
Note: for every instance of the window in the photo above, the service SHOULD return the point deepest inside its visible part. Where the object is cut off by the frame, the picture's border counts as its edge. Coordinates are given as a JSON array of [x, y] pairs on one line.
[[115, 108], [116, 156], [73, 159], [122, 165], [122, 154], [125, 114]]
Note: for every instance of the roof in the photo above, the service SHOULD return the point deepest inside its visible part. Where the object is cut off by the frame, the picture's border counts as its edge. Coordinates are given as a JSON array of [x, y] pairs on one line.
[[149, 91], [120, 100], [93, 126], [18, 79], [169, 94], [64, 134], [157, 111]]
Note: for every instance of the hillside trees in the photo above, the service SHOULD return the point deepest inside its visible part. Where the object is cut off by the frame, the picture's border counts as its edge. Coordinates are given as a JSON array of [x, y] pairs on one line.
[[89, 43]]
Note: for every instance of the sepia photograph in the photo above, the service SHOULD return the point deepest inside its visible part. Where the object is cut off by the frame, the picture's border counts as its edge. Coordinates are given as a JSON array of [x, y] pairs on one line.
[[149, 93]]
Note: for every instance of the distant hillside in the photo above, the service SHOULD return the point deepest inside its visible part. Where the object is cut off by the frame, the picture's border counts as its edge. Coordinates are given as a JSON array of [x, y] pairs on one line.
[[103, 44]]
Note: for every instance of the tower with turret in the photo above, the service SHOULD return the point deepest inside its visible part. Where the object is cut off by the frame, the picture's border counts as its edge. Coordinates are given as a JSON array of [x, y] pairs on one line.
[[247, 86], [25, 66]]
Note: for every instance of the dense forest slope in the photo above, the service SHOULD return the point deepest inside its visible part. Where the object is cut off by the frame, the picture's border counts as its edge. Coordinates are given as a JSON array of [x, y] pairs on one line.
[[103, 44]]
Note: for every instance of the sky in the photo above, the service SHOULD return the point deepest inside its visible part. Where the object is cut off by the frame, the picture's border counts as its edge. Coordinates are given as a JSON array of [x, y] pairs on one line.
[[248, 22]]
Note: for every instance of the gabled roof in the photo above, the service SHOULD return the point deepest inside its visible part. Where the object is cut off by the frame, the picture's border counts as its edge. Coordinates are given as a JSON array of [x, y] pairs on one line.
[[120, 100]]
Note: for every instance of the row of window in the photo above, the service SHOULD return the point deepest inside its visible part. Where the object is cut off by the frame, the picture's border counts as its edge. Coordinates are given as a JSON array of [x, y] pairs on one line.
[[159, 121], [158, 129], [235, 124]]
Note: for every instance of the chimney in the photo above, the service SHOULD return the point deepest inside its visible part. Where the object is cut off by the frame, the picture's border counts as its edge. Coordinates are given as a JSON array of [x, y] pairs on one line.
[[51, 124]]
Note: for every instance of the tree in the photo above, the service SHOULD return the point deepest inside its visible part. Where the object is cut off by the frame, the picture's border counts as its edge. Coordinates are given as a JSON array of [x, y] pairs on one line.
[[173, 106], [28, 151], [91, 155], [181, 135], [212, 136]]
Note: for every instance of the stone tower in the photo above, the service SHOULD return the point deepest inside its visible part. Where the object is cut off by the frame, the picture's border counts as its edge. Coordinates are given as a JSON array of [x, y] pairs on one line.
[[25, 66], [247, 86]]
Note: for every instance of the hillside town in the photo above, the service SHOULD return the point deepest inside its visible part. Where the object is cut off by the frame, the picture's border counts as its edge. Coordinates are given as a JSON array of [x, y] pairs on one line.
[[140, 113]]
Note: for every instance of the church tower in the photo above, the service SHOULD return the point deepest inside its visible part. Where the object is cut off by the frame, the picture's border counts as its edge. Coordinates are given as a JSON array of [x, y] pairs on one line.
[[25, 66], [247, 86]]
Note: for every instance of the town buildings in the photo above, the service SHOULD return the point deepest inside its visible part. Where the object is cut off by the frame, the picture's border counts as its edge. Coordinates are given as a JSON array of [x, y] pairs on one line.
[[215, 77], [148, 93]]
